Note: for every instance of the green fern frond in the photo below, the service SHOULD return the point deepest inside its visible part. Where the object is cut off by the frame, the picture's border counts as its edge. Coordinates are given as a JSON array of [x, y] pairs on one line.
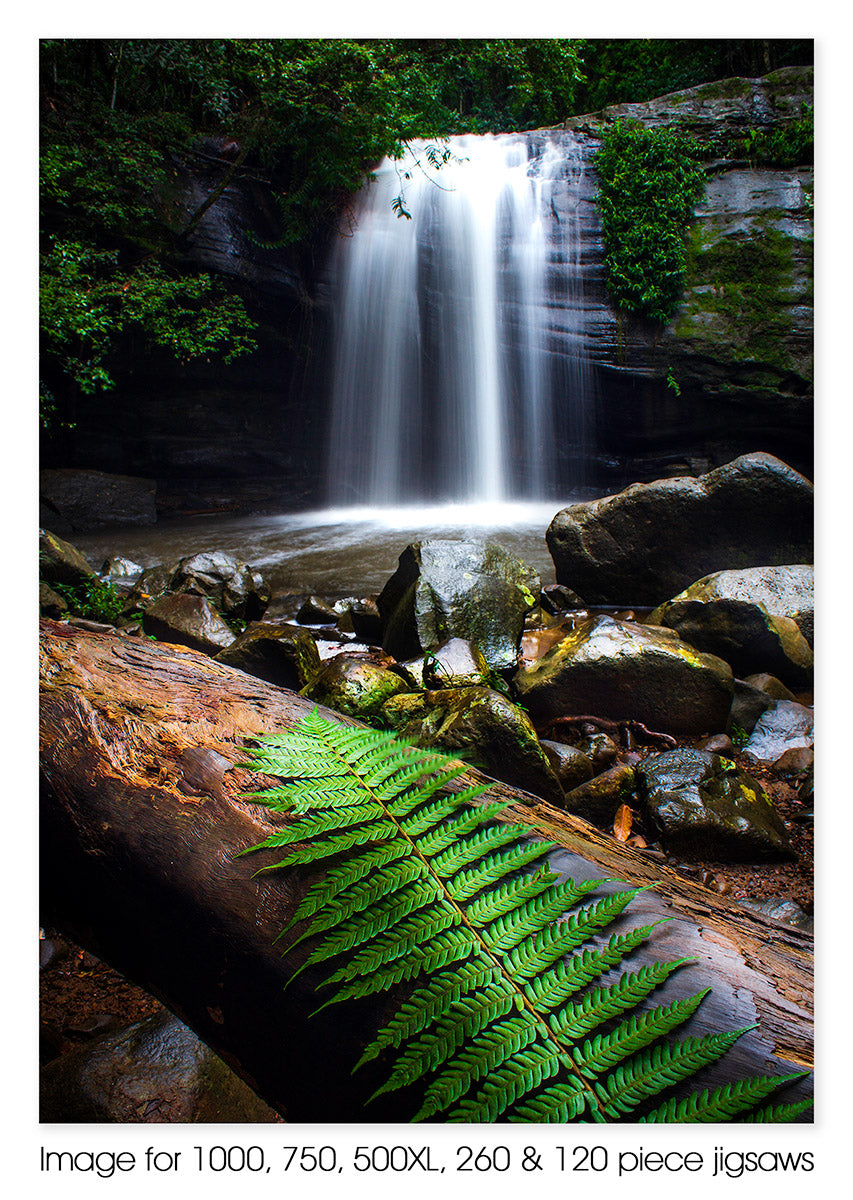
[[424, 886]]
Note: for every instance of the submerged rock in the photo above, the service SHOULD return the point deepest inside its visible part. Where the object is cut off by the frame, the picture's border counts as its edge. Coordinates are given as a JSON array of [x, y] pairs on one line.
[[484, 728], [354, 685], [652, 540], [624, 671], [705, 806], [187, 621], [154, 1071], [471, 590]]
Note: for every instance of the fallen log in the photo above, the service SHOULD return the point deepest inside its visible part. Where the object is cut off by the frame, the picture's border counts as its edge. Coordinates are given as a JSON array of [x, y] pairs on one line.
[[141, 822]]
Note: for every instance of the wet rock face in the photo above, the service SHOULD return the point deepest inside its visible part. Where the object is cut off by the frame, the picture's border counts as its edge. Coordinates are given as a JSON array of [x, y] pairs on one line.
[[649, 542], [86, 500], [153, 1071], [471, 590], [623, 671], [492, 732], [236, 589], [281, 654], [706, 806], [753, 618], [188, 621], [60, 562], [457, 663]]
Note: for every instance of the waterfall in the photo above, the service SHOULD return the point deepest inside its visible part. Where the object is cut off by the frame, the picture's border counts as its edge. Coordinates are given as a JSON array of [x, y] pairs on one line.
[[459, 369]]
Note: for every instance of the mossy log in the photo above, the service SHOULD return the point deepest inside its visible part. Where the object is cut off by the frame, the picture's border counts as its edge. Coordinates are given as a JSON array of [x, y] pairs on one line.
[[141, 823]]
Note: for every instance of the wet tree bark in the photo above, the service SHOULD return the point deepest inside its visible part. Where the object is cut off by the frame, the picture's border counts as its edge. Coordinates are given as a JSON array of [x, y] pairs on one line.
[[141, 822]]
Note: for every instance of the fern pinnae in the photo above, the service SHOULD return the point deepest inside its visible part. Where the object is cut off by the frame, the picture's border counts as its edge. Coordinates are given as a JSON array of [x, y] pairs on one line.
[[467, 883], [512, 926], [567, 978], [577, 1019], [543, 948], [428, 1002], [471, 849], [602, 1052], [660, 1067], [451, 1030], [720, 1103]]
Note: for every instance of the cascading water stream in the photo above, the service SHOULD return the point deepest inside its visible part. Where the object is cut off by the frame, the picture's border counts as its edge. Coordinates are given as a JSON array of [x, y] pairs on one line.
[[459, 367]]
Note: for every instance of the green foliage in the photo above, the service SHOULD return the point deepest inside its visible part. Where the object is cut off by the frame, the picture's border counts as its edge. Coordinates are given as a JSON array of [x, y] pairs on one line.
[[507, 1016], [650, 181], [789, 145], [92, 599]]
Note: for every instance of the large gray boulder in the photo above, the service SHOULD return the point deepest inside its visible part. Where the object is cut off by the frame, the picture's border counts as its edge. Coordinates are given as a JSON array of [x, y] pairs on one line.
[[749, 618], [236, 589], [625, 671], [472, 590], [786, 726], [652, 540]]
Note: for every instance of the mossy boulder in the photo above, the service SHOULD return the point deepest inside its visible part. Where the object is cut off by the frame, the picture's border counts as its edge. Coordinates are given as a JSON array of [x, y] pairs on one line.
[[624, 671], [648, 542], [60, 562], [466, 589], [751, 618], [354, 685], [484, 728], [285, 655], [706, 806]]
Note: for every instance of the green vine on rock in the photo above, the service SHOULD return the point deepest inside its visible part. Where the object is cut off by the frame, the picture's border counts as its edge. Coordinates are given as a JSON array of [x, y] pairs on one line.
[[649, 183], [508, 1017]]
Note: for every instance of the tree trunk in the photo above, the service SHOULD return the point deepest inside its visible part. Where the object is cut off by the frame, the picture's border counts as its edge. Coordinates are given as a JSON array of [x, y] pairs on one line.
[[141, 820]]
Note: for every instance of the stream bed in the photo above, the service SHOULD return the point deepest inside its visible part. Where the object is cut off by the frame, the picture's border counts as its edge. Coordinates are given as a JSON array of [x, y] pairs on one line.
[[332, 552]]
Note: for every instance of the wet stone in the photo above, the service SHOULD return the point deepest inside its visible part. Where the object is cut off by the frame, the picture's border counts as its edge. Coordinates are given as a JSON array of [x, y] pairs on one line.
[[706, 806]]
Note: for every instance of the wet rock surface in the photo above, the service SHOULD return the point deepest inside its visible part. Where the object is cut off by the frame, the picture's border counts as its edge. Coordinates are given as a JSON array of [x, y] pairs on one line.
[[84, 500], [153, 1071], [60, 562], [486, 728], [234, 588], [704, 804], [354, 685], [650, 541], [188, 621], [456, 663], [285, 655], [621, 670], [471, 590], [785, 726]]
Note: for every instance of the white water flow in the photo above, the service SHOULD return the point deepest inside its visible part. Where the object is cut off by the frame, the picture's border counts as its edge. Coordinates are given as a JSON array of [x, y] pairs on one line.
[[459, 370]]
